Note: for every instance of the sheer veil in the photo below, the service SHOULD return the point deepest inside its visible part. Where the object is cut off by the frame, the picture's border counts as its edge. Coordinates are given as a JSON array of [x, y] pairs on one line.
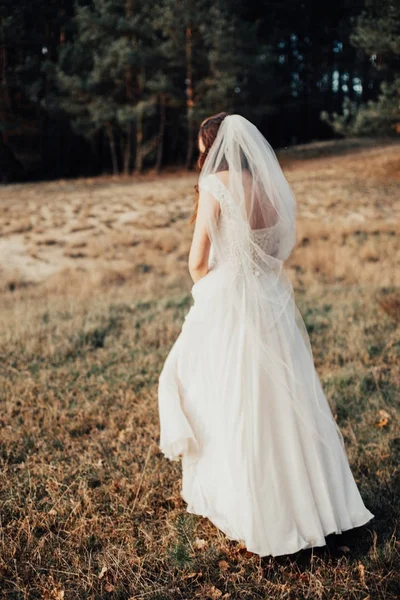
[[251, 237]]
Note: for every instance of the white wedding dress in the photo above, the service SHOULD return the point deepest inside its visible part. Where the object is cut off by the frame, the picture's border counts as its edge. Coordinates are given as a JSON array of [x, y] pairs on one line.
[[245, 430]]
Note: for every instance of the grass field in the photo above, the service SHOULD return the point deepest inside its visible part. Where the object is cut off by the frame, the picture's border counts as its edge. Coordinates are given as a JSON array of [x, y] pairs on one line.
[[94, 290]]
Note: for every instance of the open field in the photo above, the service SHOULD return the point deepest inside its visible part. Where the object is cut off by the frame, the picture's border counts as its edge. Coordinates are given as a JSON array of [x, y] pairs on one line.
[[94, 290]]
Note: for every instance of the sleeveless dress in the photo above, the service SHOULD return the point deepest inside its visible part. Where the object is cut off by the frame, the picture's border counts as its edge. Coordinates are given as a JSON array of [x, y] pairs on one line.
[[249, 463]]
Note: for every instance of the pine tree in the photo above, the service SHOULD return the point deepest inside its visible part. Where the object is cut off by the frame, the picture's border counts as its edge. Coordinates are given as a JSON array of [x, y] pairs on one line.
[[29, 36], [377, 33], [168, 70], [243, 63], [183, 59], [213, 61], [102, 76]]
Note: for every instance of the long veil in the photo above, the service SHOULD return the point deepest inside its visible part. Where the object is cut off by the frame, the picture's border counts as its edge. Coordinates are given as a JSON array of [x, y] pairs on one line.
[[251, 237]]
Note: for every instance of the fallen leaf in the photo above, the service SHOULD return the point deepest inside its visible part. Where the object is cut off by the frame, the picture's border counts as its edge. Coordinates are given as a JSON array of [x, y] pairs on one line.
[[361, 572], [199, 543], [215, 593], [176, 500], [223, 565], [301, 576], [102, 572], [383, 418], [109, 587], [191, 575], [243, 550]]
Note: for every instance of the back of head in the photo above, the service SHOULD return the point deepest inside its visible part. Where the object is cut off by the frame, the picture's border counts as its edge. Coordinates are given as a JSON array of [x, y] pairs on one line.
[[206, 136], [208, 131]]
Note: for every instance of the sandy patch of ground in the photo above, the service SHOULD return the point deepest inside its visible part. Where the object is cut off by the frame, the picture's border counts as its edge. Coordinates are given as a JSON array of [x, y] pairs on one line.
[[106, 230]]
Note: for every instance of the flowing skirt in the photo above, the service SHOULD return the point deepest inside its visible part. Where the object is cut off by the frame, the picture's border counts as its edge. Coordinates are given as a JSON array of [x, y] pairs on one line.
[[251, 462]]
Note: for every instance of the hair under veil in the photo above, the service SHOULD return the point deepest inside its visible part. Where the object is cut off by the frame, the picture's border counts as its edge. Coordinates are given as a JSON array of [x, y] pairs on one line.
[[251, 237]]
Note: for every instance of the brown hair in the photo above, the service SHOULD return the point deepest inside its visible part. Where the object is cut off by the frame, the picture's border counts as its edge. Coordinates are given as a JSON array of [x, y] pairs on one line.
[[208, 132]]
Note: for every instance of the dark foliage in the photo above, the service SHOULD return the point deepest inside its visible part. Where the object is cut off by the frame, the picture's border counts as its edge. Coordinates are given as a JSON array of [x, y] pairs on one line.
[[119, 85]]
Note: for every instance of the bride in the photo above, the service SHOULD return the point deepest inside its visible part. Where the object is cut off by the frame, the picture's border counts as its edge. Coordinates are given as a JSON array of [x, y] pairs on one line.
[[240, 402]]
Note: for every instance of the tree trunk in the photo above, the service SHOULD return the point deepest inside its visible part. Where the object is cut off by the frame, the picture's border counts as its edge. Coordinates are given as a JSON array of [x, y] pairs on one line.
[[161, 132], [113, 150], [189, 93], [129, 81], [173, 141], [139, 139], [95, 144], [128, 149], [5, 91]]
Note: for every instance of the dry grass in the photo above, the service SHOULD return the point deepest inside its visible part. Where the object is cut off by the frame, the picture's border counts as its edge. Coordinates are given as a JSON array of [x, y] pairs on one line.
[[348, 225], [94, 295]]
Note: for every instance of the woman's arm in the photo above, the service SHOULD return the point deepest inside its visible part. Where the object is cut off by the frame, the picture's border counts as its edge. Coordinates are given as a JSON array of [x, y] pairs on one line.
[[208, 207]]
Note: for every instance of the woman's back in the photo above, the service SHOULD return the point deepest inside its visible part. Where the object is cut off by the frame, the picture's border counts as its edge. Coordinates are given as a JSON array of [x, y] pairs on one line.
[[261, 239]]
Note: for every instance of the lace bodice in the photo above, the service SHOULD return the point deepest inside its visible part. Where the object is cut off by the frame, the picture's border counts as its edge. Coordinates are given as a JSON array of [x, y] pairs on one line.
[[267, 240]]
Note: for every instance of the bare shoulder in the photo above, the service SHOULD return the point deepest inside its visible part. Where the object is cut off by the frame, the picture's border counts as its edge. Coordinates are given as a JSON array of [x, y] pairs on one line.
[[224, 177]]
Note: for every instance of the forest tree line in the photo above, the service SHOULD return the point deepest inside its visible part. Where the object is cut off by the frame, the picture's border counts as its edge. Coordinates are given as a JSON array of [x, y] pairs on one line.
[[94, 86]]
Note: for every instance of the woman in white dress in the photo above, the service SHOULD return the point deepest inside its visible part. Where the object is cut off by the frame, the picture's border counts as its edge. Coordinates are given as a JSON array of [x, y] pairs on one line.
[[240, 402]]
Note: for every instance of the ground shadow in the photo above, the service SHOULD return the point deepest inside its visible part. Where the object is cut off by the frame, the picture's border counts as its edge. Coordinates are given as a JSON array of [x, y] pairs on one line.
[[353, 543]]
